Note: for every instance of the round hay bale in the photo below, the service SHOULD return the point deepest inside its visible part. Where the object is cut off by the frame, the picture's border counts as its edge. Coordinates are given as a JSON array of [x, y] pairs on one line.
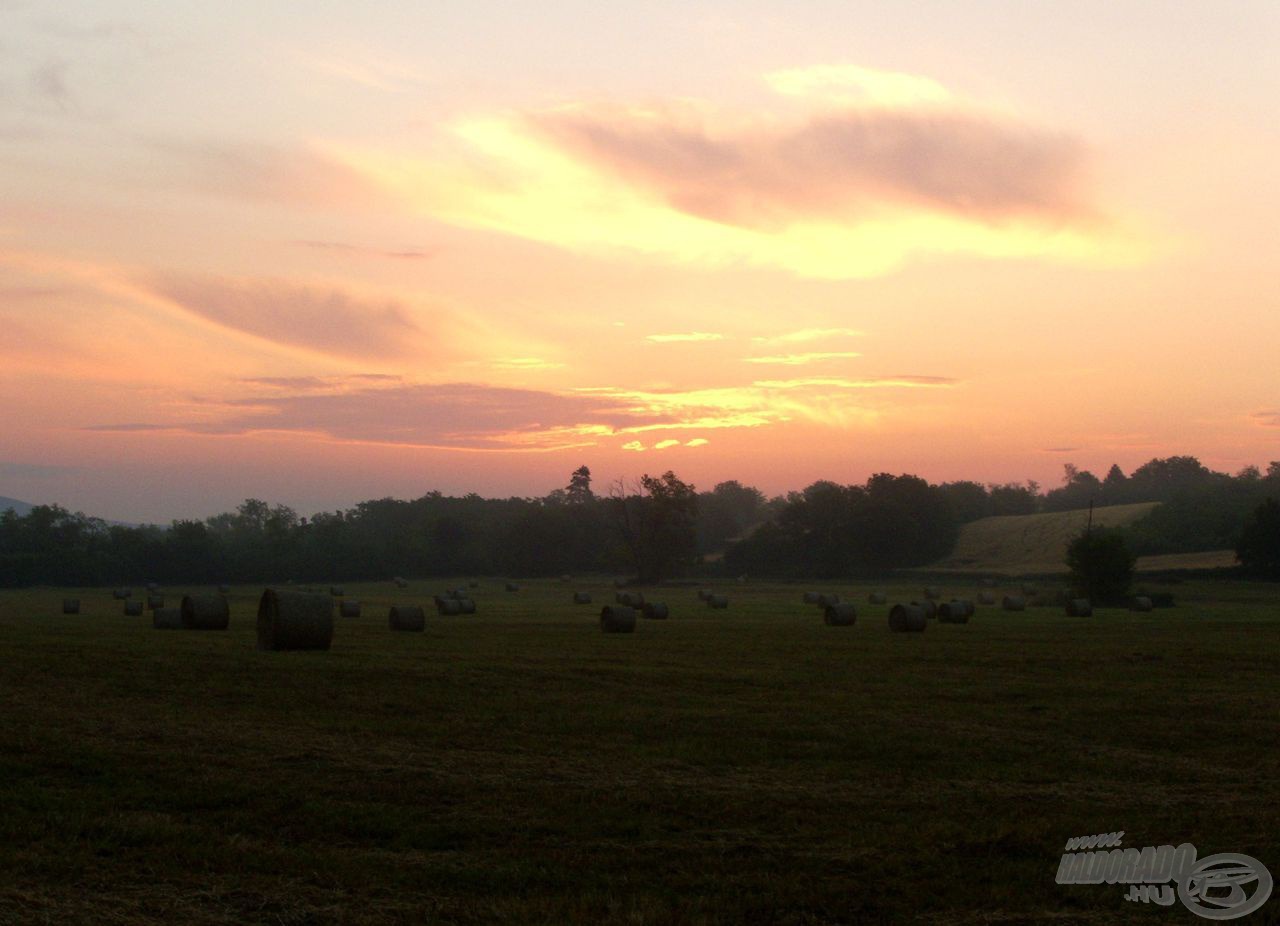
[[955, 611], [654, 610], [988, 582], [566, 578], [293, 620], [120, 594], [466, 606], [1029, 589], [703, 594], [473, 584], [400, 583], [581, 598], [907, 618], [153, 587], [929, 607], [826, 600], [205, 612], [407, 617], [155, 601], [133, 608], [986, 598], [932, 592], [717, 602], [70, 605], [166, 619], [811, 597], [456, 593], [1140, 603], [512, 587], [448, 606], [349, 608], [224, 589], [877, 598], [336, 591], [839, 614], [743, 580], [1079, 607], [617, 618], [618, 583], [1013, 603]]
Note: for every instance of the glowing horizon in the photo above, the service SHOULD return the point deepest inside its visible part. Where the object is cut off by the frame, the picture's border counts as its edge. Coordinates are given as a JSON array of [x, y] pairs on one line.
[[327, 259]]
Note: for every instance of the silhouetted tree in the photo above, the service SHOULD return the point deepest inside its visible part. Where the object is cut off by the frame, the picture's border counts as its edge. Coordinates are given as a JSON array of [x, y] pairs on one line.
[[1101, 564], [579, 490], [1258, 548], [656, 524]]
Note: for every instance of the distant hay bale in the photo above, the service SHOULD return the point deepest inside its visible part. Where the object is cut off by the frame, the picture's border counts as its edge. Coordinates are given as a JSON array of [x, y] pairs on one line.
[[717, 602], [932, 592], [1140, 603], [988, 582], [811, 597], [133, 608], [618, 583], [1013, 603], [153, 587], [986, 598], [877, 598], [466, 606], [1079, 607], [154, 602], [448, 606], [907, 618], [473, 584], [205, 612], [629, 599], [929, 607], [120, 594], [1161, 599], [743, 579], [582, 598], [224, 589], [293, 620], [400, 583], [458, 593], [840, 614], [336, 591], [166, 619], [1029, 589], [70, 605], [617, 618], [512, 587], [703, 594], [826, 600], [566, 578], [955, 611], [349, 608], [655, 610], [407, 617]]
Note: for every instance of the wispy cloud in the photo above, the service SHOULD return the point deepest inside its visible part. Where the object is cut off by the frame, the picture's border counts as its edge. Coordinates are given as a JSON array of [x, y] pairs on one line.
[[810, 334], [1269, 418], [852, 84], [690, 336], [342, 247], [525, 363], [797, 359], [697, 442], [664, 444]]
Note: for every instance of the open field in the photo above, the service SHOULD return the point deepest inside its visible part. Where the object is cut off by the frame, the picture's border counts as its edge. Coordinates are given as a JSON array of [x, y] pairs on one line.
[[1028, 544], [741, 766]]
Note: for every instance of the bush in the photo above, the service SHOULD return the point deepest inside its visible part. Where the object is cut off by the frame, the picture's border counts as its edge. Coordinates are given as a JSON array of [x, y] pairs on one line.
[[1258, 548], [1101, 565]]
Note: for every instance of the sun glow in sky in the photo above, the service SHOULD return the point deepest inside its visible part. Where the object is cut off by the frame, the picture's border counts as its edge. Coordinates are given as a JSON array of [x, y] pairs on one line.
[[360, 251]]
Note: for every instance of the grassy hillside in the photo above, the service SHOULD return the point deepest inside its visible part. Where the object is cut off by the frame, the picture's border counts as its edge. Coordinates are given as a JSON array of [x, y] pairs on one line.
[[1030, 543], [741, 766]]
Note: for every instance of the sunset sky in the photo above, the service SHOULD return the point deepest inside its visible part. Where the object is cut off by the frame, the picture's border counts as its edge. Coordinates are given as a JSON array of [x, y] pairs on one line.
[[318, 253]]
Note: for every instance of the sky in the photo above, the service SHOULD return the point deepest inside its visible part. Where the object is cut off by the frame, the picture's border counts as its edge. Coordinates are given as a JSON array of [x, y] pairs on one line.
[[324, 252]]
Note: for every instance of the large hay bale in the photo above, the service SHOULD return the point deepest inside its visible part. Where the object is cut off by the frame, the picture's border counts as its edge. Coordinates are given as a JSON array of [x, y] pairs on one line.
[[1140, 603], [349, 608], [205, 612], [336, 591], [932, 592], [629, 599], [877, 598], [133, 608], [166, 619], [839, 614], [407, 617], [929, 607], [447, 606], [455, 593], [1029, 589], [955, 611], [466, 606], [400, 583], [70, 605], [154, 602], [986, 598], [717, 602], [512, 587], [120, 594], [1079, 607], [811, 597], [654, 610], [617, 618], [581, 598], [566, 578], [703, 594], [224, 589], [907, 618], [293, 620], [153, 587], [1014, 603]]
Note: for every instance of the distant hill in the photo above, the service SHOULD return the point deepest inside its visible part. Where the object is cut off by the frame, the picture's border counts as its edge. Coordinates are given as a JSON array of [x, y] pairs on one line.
[[22, 508], [1027, 544]]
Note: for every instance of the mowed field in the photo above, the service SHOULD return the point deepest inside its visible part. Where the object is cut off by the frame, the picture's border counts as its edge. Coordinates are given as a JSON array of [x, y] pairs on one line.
[[743, 766]]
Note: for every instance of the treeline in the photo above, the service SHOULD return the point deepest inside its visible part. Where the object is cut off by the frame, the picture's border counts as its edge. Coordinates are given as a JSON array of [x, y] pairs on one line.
[[653, 528]]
